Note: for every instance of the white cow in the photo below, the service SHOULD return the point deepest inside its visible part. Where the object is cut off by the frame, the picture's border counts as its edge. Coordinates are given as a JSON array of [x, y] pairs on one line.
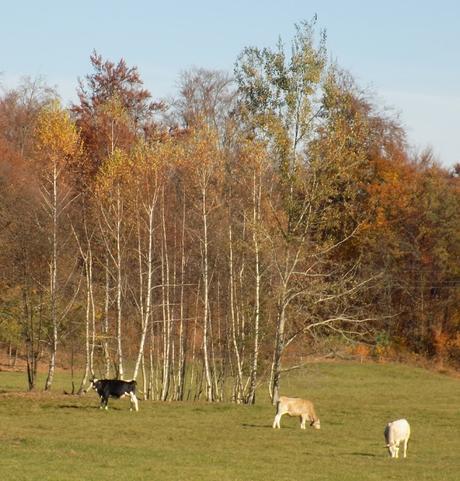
[[396, 432]]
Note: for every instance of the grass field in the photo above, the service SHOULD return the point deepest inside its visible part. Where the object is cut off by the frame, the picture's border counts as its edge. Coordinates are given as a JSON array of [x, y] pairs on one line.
[[63, 438]]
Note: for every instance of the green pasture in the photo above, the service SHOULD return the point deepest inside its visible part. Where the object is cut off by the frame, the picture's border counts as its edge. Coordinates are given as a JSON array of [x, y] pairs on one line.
[[51, 436]]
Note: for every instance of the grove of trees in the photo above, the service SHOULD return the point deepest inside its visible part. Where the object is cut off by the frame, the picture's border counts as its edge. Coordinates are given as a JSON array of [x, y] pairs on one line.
[[206, 244]]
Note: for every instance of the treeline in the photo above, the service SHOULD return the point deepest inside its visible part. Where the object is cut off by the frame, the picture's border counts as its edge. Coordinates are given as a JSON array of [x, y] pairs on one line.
[[193, 244]]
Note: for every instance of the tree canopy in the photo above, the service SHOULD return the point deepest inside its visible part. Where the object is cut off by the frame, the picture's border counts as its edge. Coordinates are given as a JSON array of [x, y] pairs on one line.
[[213, 242]]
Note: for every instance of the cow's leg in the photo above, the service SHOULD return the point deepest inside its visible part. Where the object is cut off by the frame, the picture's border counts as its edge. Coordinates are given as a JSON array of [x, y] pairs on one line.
[[303, 420], [276, 422], [134, 401], [405, 446], [392, 449]]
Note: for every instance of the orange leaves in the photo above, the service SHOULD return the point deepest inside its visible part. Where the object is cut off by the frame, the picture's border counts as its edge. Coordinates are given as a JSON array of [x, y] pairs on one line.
[[393, 193]]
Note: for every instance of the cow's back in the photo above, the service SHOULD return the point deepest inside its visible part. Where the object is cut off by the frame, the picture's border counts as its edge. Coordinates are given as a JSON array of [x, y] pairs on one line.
[[115, 387], [295, 406]]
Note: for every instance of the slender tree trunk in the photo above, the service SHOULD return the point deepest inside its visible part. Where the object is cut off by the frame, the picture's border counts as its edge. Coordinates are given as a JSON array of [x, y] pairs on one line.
[[255, 352], [279, 344], [182, 326], [90, 320], [32, 340], [193, 359], [167, 324], [53, 283], [105, 324], [212, 337], [151, 394], [148, 296], [86, 375], [240, 308], [120, 370], [93, 313], [236, 348], [206, 320]]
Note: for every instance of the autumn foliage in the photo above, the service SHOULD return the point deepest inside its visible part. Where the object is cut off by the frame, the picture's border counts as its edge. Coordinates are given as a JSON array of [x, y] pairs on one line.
[[210, 241]]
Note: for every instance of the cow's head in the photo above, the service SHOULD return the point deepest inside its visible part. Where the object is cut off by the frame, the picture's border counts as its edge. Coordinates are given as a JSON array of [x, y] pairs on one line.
[[316, 424], [93, 383], [392, 450]]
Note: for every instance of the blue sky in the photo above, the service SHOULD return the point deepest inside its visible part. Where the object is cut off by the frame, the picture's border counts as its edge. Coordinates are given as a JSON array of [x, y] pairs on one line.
[[407, 52]]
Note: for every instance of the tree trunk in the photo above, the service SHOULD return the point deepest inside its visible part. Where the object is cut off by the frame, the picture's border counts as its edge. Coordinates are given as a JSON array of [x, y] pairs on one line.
[[238, 390], [255, 353], [53, 283], [120, 371], [148, 297], [206, 320], [279, 346], [105, 324], [86, 376], [167, 324], [182, 326]]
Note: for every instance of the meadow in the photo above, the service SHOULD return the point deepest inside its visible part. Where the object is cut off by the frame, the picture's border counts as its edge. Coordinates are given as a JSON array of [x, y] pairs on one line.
[[56, 437]]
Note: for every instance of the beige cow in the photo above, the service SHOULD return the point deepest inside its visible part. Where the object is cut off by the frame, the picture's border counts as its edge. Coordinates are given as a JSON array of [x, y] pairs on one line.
[[293, 406]]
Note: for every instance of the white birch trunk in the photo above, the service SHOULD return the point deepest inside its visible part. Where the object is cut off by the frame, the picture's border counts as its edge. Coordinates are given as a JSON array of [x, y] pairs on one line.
[[182, 331], [148, 296], [166, 312], [255, 352], [207, 368], [239, 371], [120, 370], [53, 281], [105, 324]]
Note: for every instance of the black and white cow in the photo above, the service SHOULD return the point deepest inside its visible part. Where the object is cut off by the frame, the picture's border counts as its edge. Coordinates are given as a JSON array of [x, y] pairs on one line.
[[115, 388]]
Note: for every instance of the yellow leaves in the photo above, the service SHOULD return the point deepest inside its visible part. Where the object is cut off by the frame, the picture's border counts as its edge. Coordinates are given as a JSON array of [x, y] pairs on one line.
[[253, 152], [201, 153], [117, 164], [113, 109], [137, 172], [114, 171], [56, 135]]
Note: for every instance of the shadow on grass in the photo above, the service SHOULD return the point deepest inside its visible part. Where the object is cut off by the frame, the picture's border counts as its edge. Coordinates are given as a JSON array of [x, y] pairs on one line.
[[339, 455], [89, 407], [367, 455], [269, 426], [76, 406], [260, 426]]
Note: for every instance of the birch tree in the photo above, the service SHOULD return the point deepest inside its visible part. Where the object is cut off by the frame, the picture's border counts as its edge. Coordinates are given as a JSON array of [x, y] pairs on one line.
[[112, 223], [147, 189], [57, 144], [204, 162], [278, 99], [86, 253], [285, 100]]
